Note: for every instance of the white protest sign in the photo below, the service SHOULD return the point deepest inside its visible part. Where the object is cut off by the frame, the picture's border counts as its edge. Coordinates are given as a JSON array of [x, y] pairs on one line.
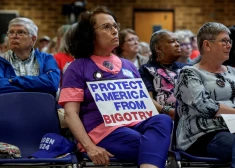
[[229, 119], [122, 101]]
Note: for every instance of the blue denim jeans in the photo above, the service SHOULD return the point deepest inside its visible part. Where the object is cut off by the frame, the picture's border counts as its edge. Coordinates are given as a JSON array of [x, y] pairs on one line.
[[233, 157], [222, 146]]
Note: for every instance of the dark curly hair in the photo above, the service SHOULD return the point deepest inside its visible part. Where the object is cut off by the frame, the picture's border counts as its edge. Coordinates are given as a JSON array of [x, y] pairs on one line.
[[81, 44]]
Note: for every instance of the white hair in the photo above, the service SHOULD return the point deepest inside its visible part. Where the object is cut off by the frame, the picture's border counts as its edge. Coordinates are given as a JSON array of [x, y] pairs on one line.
[[29, 24]]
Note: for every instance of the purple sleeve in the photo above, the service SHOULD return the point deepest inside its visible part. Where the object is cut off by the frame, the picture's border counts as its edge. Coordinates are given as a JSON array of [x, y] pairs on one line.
[[74, 75]]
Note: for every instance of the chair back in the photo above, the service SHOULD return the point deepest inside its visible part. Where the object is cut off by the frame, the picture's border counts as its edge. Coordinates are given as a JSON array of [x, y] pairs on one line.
[[25, 117]]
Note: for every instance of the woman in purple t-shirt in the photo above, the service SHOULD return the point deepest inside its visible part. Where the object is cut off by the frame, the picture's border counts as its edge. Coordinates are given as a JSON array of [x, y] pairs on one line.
[[145, 142]]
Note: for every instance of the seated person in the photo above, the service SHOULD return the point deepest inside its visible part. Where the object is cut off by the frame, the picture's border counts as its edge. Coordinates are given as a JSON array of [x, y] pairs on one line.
[[160, 73], [63, 57], [22, 68], [185, 45], [144, 49], [145, 142], [204, 91], [129, 47]]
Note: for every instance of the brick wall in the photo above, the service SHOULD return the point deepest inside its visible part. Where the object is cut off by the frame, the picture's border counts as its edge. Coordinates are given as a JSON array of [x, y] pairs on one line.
[[189, 14]]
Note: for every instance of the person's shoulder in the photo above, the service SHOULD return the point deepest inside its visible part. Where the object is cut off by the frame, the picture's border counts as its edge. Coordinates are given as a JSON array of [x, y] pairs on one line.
[[43, 55], [180, 65], [231, 69], [143, 59]]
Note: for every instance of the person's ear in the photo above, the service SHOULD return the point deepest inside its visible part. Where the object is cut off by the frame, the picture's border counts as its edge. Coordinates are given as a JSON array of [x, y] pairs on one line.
[[206, 45], [34, 38], [157, 48]]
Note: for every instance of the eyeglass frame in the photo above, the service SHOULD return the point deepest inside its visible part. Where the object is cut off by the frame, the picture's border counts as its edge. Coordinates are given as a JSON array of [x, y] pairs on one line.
[[103, 25], [19, 33], [224, 41]]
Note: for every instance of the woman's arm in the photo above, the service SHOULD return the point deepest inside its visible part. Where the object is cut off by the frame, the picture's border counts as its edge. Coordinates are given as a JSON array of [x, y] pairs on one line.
[[97, 154], [225, 110], [159, 107]]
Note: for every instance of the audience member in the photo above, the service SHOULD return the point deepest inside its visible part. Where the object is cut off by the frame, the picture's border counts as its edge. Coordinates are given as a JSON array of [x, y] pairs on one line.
[[195, 52], [43, 42], [160, 73], [147, 142], [51, 48], [22, 68], [185, 45], [4, 45], [129, 47], [60, 33], [144, 49], [204, 92], [64, 58]]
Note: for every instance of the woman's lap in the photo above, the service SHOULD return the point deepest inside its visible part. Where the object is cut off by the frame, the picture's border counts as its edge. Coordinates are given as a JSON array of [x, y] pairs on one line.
[[147, 142]]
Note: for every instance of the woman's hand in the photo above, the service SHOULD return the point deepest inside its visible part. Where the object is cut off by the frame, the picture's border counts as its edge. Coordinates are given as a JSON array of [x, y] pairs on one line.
[[98, 155]]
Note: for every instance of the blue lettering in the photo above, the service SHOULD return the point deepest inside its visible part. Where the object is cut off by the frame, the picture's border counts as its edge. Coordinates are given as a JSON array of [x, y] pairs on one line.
[[125, 105], [107, 96], [134, 96], [119, 84], [116, 96], [111, 86], [123, 95], [133, 87], [117, 105], [125, 85], [132, 105], [142, 94], [98, 97], [140, 104], [139, 82], [94, 87], [102, 86]]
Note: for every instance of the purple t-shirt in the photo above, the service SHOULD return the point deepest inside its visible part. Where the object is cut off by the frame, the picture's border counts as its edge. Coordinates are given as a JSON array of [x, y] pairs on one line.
[[83, 70]]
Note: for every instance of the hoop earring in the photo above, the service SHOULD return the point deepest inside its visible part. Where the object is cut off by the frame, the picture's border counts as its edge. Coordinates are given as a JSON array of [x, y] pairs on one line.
[[160, 56]]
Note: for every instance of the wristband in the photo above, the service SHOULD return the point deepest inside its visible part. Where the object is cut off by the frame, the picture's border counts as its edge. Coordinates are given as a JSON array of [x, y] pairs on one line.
[[165, 109]]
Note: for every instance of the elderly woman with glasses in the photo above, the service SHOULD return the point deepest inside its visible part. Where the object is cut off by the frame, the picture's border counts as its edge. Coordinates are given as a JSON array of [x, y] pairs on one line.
[[160, 73], [129, 47], [185, 45], [204, 92], [22, 68], [144, 142]]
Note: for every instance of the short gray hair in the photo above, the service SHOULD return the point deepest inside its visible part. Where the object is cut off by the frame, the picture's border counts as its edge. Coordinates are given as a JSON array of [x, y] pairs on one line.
[[209, 31], [182, 35], [29, 24], [155, 38]]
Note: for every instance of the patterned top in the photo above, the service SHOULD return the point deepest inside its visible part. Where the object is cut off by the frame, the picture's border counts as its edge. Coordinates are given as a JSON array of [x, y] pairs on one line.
[[199, 94], [28, 67], [161, 81]]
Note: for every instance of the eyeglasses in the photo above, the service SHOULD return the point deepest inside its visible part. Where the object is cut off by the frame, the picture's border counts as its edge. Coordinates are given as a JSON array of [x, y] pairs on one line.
[[133, 39], [224, 41], [109, 27], [18, 33]]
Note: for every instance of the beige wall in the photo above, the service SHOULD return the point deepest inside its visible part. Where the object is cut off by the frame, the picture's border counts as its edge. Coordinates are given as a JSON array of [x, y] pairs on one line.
[[189, 14]]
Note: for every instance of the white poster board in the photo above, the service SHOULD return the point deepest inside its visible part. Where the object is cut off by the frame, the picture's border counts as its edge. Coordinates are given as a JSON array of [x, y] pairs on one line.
[[122, 101], [229, 119]]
